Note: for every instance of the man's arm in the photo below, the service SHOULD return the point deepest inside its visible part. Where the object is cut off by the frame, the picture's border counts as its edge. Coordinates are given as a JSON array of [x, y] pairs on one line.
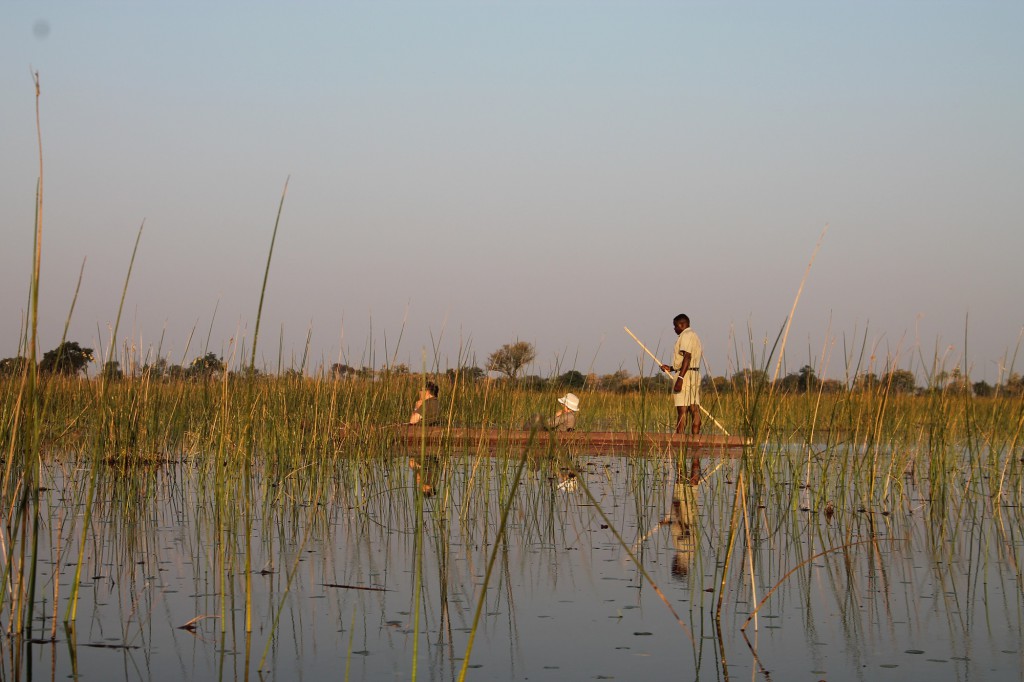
[[684, 367]]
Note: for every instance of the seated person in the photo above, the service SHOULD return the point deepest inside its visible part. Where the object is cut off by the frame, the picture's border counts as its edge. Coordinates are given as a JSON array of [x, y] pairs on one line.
[[565, 418], [427, 408]]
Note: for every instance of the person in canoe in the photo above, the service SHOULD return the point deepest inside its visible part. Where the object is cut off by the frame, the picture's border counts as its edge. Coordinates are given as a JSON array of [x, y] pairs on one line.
[[427, 408], [565, 417], [686, 368], [563, 420]]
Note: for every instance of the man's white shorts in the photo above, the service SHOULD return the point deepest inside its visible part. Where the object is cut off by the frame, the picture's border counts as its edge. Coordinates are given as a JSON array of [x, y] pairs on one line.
[[690, 393]]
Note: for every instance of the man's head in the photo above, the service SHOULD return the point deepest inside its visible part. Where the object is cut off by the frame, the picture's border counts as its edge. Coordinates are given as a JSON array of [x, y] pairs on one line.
[[680, 322], [432, 388]]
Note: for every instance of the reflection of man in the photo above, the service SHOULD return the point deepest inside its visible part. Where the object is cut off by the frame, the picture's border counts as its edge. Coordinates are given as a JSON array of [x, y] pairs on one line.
[[683, 522]]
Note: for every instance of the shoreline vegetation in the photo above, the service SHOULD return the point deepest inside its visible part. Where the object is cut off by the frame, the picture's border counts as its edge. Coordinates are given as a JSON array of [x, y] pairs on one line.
[[151, 416]]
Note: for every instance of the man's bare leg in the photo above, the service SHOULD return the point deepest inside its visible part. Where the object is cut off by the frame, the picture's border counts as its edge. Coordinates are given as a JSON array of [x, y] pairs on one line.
[[680, 419]]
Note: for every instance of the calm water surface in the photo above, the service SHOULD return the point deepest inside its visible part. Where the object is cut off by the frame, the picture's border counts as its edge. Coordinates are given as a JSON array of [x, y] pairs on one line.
[[356, 575]]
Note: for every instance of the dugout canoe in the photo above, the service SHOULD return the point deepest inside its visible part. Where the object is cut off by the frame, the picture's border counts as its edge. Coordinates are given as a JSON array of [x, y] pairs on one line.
[[580, 441]]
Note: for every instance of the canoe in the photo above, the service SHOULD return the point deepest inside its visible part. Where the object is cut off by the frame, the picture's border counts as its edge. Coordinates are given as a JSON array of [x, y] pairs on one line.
[[581, 441]]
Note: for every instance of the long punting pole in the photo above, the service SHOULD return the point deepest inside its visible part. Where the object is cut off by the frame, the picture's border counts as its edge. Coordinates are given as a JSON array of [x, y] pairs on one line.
[[658, 362]]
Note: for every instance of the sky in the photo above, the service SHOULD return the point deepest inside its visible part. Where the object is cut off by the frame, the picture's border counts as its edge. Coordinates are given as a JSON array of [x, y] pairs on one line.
[[465, 175]]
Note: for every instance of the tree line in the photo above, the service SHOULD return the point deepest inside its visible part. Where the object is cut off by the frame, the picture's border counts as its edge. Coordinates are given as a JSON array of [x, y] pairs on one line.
[[71, 359], [511, 360]]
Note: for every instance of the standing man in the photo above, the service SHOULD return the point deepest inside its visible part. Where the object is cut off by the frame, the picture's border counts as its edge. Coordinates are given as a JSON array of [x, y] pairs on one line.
[[686, 366]]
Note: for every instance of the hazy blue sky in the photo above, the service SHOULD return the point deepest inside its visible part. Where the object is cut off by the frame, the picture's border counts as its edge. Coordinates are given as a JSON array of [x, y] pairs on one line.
[[466, 174]]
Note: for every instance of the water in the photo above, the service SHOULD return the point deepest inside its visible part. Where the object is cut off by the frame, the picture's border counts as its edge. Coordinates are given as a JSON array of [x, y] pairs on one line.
[[357, 576]]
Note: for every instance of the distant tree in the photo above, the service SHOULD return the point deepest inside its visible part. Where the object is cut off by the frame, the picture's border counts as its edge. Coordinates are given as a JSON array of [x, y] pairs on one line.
[[533, 382], [631, 384], [467, 374], [614, 381], [511, 358], [158, 370], [112, 371], [365, 372], [900, 381], [400, 369], [247, 373], [204, 367], [983, 389], [958, 382], [750, 379], [10, 367], [340, 371], [808, 379], [867, 381], [714, 385], [832, 386], [571, 379], [789, 383], [68, 358]]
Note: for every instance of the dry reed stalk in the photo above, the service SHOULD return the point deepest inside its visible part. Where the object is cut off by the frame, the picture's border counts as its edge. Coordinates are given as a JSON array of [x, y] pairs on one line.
[[792, 311]]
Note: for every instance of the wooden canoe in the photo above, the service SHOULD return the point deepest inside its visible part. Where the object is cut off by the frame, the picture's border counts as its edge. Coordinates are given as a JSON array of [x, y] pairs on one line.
[[593, 442]]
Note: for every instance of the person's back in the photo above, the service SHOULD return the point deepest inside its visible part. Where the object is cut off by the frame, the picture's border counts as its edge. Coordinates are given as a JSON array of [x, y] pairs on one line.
[[428, 408], [431, 412]]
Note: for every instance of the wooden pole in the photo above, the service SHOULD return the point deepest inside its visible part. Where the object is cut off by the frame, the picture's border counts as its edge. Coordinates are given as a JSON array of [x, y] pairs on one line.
[[659, 363]]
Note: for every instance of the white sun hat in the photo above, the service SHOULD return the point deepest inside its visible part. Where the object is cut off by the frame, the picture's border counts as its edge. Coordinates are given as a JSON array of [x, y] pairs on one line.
[[571, 401]]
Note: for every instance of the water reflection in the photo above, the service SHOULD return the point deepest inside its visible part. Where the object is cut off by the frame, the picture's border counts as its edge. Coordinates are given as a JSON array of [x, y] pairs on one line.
[[683, 523], [427, 470], [375, 566]]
